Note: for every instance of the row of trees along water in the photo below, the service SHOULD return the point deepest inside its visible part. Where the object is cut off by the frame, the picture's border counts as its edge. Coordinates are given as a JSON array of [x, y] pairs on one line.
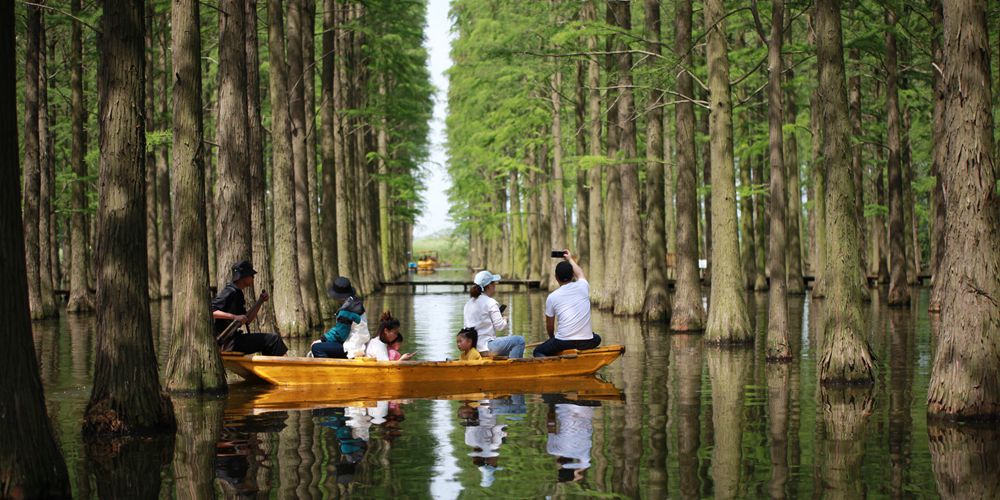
[[165, 141], [595, 126]]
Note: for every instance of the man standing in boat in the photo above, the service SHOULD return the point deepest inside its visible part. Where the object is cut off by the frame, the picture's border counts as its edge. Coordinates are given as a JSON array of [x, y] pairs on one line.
[[230, 305], [569, 306]]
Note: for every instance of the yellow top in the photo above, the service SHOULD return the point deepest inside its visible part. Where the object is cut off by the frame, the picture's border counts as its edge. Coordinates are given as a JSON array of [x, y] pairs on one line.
[[471, 355]]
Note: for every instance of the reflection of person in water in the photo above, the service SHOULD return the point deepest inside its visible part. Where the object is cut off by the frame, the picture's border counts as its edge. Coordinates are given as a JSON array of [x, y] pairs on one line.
[[484, 436], [570, 431], [350, 426], [238, 454]]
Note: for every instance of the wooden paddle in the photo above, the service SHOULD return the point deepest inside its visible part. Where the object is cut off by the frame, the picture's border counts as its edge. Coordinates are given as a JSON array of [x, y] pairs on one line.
[[223, 338]]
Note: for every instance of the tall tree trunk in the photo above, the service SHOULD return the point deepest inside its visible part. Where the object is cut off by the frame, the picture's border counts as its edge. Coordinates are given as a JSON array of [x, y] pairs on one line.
[[384, 201], [519, 256], [595, 175], [846, 356], [330, 144], [544, 213], [300, 162], [46, 178], [255, 163], [79, 293], [629, 299], [857, 165], [166, 234], [688, 313], [938, 157], [909, 201], [607, 294], [126, 397], [706, 179], [899, 291], [152, 207], [30, 461], [347, 259], [657, 302], [818, 239], [778, 348], [557, 211], [194, 364], [315, 179], [761, 226], [879, 238], [796, 285], [32, 166], [963, 381], [288, 309], [232, 195], [728, 320], [748, 247], [583, 188]]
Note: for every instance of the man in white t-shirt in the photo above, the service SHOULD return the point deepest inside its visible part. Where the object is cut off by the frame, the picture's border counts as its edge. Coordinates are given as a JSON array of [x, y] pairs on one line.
[[567, 312]]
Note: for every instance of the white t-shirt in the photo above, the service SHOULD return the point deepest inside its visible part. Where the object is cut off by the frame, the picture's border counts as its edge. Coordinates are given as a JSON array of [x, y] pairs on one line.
[[377, 349], [483, 314], [570, 306]]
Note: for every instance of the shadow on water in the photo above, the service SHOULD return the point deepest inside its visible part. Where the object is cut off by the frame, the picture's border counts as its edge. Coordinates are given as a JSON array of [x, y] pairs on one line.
[[693, 422]]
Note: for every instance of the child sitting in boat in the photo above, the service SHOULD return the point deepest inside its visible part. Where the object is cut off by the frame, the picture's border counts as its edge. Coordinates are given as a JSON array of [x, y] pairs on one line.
[[386, 335], [466, 341]]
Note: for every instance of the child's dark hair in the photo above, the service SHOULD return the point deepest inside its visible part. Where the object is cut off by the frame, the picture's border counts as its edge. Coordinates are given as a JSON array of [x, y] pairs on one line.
[[469, 333], [387, 322], [475, 291]]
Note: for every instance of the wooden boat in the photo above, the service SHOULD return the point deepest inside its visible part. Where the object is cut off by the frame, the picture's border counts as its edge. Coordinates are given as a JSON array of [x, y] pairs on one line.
[[246, 399], [280, 370]]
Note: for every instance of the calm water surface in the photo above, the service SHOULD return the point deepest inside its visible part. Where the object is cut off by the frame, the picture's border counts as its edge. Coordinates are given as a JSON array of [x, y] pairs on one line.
[[692, 422]]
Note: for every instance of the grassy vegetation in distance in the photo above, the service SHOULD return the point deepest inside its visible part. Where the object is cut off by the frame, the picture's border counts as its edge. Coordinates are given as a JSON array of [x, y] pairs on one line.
[[452, 249]]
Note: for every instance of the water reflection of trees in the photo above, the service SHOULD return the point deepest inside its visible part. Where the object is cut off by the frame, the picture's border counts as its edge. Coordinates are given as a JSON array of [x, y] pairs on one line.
[[657, 347], [729, 370], [842, 418], [129, 467], [965, 460], [685, 373], [199, 422]]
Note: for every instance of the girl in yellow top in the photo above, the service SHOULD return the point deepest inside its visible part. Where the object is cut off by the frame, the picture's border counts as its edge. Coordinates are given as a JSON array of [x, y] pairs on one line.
[[466, 341]]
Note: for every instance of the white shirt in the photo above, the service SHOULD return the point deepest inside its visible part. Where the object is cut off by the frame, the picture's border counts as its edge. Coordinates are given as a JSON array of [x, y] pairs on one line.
[[574, 429], [483, 314], [377, 349], [355, 344], [570, 306]]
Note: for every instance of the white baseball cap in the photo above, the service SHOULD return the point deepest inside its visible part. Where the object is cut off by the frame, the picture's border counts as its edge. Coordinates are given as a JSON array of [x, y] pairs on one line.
[[484, 278]]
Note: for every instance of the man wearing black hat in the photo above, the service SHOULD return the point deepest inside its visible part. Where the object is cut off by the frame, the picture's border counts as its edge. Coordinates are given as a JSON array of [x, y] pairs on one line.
[[230, 305], [569, 306]]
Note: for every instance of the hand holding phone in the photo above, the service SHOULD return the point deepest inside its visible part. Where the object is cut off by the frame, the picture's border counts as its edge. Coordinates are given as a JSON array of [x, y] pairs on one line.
[[558, 254], [503, 307]]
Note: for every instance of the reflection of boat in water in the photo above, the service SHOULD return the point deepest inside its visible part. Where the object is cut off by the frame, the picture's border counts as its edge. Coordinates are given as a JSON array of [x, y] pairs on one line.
[[398, 375], [248, 399]]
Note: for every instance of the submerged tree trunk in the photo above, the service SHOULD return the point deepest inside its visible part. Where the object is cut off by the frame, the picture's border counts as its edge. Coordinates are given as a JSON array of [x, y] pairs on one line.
[[232, 194], [607, 295], [31, 465], [194, 364], [728, 320], [595, 174], [289, 313], [79, 293], [899, 291], [963, 382], [846, 356], [688, 313], [778, 348], [657, 303], [126, 397], [48, 266], [796, 285], [32, 166], [938, 158]]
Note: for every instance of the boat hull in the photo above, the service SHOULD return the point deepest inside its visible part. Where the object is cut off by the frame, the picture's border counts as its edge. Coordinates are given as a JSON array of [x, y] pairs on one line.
[[277, 370]]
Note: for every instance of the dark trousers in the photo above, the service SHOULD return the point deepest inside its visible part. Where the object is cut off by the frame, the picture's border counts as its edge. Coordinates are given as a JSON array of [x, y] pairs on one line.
[[268, 344], [553, 345], [329, 350]]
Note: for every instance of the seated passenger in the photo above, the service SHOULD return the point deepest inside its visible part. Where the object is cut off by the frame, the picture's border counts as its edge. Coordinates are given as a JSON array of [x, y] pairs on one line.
[[230, 305], [387, 335], [466, 341], [569, 305], [348, 336], [484, 313]]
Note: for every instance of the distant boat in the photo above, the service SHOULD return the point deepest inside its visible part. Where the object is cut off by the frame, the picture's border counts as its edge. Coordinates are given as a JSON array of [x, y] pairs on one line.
[[397, 375], [428, 262]]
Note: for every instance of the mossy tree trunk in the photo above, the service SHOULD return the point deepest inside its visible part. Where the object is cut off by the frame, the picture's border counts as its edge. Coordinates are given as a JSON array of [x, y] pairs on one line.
[[126, 398], [899, 291], [657, 302], [79, 294], [796, 285], [194, 364], [778, 348], [595, 175], [31, 465], [846, 356], [688, 313], [964, 383], [728, 321]]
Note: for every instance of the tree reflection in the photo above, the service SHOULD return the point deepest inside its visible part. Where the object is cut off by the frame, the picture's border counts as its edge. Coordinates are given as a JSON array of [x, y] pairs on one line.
[[841, 427], [199, 422], [900, 397], [965, 460], [685, 364], [729, 370], [657, 349], [243, 454], [778, 379], [129, 467]]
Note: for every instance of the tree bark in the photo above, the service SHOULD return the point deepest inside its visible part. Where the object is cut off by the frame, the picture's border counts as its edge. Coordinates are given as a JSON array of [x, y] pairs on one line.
[[47, 266], [330, 144], [31, 465], [126, 398], [857, 165], [796, 285], [288, 309], [629, 298], [846, 356], [818, 239], [688, 313], [761, 226], [706, 179], [79, 293], [583, 188], [963, 382], [938, 158], [728, 320], [152, 207], [347, 260], [595, 175], [909, 200], [748, 247], [300, 162], [606, 295], [315, 179], [657, 302], [32, 166], [899, 291], [557, 211], [166, 234], [778, 348]]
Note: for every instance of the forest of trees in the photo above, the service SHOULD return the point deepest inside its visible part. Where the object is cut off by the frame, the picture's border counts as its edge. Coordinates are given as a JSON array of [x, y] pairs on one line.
[[783, 142]]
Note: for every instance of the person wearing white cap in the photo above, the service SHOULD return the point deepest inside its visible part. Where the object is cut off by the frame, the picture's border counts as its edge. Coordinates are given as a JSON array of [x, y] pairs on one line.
[[483, 313]]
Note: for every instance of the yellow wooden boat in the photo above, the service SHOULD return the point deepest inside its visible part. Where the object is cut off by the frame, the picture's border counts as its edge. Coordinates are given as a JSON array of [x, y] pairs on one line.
[[245, 399], [281, 370]]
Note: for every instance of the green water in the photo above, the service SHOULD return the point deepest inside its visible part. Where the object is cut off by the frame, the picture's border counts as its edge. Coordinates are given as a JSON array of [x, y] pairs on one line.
[[695, 422]]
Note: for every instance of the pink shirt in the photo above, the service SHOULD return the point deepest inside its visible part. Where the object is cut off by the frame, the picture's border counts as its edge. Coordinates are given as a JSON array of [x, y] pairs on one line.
[[394, 355]]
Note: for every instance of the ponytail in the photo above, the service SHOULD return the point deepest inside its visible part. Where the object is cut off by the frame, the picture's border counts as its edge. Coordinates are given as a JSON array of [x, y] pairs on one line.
[[475, 291], [386, 322]]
